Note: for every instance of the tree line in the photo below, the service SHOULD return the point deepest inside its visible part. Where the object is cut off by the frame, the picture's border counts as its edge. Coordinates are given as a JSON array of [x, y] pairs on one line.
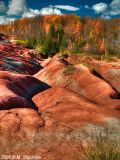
[[54, 34]]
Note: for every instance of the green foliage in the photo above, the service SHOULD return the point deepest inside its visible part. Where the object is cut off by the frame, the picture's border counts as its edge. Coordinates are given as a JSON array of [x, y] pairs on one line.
[[31, 43], [52, 43], [110, 50], [48, 47], [27, 43], [82, 43], [113, 50], [21, 42], [76, 48], [0, 34]]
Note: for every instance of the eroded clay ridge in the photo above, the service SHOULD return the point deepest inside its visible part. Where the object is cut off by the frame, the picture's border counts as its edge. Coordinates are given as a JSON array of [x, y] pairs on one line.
[[18, 113], [16, 90], [17, 58], [79, 95]]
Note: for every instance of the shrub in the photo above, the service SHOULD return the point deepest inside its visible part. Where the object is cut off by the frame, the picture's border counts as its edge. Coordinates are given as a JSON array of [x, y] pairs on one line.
[[21, 42], [103, 149], [31, 43], [101, 144]]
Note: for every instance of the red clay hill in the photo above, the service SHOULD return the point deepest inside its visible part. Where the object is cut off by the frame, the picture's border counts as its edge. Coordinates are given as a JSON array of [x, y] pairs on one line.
[[36, 94], [17, 58]]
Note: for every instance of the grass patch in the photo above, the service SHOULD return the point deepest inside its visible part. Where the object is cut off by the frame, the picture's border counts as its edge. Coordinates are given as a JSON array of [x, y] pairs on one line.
[[103, 148], [69, 70]]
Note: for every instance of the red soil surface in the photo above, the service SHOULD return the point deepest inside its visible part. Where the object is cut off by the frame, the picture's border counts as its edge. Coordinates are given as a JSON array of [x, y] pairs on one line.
[[66, 108], [78, 95], [18, 114], [110, 72], [17, 58], [77, 98], [81, 80]]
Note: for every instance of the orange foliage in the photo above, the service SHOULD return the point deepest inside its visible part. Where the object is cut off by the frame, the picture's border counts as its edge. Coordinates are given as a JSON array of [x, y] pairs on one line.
[[88, 32], [102, 46]]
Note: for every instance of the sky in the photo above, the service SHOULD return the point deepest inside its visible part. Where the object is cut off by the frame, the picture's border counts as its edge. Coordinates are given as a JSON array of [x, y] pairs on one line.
[[13, 9]]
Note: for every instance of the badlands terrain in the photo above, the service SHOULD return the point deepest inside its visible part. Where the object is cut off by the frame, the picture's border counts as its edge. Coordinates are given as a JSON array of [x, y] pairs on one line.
[[62, 95]]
